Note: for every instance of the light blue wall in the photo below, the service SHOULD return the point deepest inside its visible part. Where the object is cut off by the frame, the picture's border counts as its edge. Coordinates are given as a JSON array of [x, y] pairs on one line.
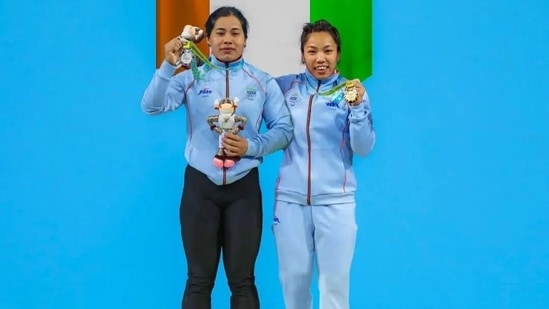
[[453, 209]]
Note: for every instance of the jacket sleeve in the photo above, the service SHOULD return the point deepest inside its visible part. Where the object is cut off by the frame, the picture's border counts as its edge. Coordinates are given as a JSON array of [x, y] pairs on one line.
[[285, 82], [165, 92], [278, 121], [361, 128]]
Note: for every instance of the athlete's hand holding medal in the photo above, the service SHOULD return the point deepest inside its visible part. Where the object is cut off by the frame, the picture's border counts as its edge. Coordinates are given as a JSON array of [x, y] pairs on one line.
[[354, 92], [177, 51]]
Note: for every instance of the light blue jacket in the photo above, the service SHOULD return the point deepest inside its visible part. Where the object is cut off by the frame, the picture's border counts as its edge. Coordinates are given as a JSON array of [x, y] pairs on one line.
[[317, 167], [260, 99]]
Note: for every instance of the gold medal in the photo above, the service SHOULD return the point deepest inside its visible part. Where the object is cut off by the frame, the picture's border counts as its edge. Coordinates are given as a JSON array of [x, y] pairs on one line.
[[351, 94]]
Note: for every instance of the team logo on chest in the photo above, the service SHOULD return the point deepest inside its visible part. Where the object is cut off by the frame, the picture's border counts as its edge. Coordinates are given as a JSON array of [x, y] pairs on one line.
[[250, 93], [292, 99]]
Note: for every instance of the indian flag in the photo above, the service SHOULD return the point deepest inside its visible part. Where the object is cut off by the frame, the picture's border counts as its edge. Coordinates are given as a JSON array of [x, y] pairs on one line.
[[275, 28]]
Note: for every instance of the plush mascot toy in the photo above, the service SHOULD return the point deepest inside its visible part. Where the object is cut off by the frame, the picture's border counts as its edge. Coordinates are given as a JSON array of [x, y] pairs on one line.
[[226, 121], [189, 33]]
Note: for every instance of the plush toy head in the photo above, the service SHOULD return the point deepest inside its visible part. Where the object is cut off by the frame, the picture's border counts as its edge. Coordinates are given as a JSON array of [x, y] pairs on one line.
[[192, 33], [226, 106]]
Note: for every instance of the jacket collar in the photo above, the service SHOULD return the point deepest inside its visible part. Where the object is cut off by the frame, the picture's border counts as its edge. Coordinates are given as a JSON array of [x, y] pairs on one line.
[[325, 84], [231, 66]]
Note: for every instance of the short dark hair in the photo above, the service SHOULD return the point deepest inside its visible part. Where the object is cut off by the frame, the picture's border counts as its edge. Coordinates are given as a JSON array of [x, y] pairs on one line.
[[320, 25], [225, 11]]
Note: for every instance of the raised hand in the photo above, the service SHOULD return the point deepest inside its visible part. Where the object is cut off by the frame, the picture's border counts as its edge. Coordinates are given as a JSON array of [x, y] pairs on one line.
[[358, 90], [172, 50]]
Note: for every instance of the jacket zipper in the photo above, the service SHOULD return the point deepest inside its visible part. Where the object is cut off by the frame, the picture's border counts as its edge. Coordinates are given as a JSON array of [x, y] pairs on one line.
[[226, 96], [309, 145]]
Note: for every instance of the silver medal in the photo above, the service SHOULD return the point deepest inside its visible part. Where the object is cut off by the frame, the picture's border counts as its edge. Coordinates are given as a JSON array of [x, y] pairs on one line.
[[186, 57]]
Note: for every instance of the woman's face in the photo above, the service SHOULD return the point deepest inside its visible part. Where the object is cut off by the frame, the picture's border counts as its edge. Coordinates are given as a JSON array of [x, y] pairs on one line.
[[320, 54], [227, 40]]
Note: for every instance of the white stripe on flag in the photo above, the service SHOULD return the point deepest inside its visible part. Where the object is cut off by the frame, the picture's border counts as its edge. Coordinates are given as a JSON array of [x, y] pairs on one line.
[[273, 34]]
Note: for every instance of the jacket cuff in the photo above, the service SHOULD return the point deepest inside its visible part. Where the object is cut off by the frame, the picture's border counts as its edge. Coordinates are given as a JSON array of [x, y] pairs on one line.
[[166, 70], [252, 148]]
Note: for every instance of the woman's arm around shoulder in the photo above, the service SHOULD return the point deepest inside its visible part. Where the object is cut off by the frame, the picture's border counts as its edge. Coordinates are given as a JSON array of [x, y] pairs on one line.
[[279, 123], [285, 81]]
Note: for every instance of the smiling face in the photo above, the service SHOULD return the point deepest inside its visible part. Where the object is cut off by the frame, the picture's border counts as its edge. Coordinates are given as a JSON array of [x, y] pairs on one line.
[[227, 39], [320, 54]]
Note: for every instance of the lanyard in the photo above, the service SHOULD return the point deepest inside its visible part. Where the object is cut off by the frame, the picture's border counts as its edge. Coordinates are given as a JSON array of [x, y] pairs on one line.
[[189, 45]]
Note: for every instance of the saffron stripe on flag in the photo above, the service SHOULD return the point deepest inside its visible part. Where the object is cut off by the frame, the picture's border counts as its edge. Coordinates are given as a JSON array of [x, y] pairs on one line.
[[172, 16], [275, 27]]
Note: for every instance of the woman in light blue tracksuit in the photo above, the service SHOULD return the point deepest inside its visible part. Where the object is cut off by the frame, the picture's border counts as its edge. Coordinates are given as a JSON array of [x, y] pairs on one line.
[[221, 207], [314, 216]]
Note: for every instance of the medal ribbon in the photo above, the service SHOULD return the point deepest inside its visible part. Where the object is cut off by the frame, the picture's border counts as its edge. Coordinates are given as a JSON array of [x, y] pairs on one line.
[[198, 53]]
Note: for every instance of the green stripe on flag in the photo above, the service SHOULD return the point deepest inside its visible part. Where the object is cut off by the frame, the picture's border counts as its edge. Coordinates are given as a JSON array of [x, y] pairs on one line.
[[353, 19]]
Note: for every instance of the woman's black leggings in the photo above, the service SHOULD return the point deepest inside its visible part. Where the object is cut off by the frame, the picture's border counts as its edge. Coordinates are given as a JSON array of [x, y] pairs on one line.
[[215, 218]]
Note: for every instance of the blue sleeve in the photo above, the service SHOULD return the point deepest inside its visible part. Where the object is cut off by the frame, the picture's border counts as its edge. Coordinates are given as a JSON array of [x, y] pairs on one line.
[[278, 121], [361, 128], [165, 92], [285, 82]]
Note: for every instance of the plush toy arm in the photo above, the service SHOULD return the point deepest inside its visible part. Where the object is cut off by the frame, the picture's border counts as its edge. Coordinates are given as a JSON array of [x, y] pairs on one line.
[[192, 33], [211, 122], [242, 123]]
